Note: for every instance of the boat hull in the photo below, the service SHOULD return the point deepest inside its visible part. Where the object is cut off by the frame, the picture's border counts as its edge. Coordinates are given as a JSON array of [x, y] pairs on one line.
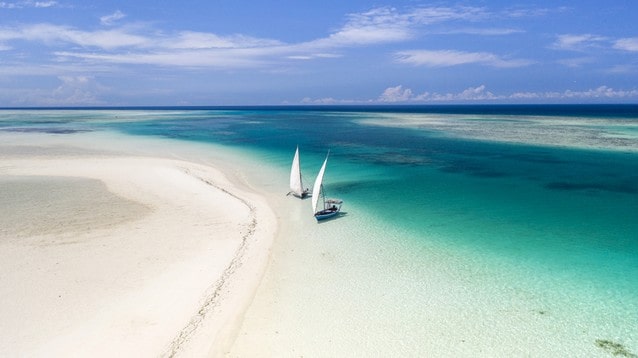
[[303, 195], [326, 214]]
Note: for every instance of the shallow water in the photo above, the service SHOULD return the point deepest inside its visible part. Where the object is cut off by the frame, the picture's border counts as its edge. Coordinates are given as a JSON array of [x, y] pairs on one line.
[[466, 230]]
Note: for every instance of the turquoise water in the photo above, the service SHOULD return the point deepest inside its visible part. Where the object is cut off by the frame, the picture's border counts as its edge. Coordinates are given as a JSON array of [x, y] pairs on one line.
[[548, 192], [543, 202]]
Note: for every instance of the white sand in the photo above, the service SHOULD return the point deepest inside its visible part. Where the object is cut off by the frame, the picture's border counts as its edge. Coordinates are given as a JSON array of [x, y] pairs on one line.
[[121, 254]]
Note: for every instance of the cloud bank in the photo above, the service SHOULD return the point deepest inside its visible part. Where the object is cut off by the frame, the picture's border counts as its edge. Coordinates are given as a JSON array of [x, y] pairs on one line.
[[401, 95], [398, 94]]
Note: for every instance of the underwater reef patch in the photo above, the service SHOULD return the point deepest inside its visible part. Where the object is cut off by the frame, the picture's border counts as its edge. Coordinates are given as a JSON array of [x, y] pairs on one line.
[[615, 348]]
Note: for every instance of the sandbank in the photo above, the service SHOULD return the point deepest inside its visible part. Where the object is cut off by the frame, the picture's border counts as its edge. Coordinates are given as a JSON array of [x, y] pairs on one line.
[[122, 252]]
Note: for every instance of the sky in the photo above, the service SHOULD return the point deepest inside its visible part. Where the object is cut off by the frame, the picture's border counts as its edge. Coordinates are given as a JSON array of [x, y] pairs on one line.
[[292, 52]]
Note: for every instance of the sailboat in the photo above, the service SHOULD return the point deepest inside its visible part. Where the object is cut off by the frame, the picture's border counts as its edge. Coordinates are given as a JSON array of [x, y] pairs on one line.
[[296, 184], [331, 207]]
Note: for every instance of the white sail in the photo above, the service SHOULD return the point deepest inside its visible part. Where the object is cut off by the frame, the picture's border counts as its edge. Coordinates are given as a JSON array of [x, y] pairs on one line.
[[296, 186], [316, 189]]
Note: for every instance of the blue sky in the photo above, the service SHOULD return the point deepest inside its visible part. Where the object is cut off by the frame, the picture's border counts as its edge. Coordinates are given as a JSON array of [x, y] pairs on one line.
[[239, 52]]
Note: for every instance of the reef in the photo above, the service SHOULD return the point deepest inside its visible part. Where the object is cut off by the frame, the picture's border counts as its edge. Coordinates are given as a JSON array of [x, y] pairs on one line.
[[614, 348]]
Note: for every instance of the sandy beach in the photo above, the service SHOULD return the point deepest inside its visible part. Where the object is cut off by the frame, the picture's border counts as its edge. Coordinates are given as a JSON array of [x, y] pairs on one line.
[[117, 253]]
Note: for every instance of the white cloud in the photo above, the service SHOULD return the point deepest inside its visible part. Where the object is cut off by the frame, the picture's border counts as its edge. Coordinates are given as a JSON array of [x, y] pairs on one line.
[[27, 4], [112, 18], [600, 92], [203, 40], [44, 4], [240, 58], [326, 101], [431, 15], [476, 93], [54, 34], [375, 26], [525, 95], [396, 94], [494, 31], [72, 91], [470, 94], [313, 56], [447, 58], [386, 24], [577, 42], [300, 57], [627, 44], [368, 35], [400, 94], [584, 42]]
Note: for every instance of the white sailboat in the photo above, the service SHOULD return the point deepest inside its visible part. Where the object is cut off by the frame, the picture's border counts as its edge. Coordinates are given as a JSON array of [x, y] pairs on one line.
[[296, 183], [331, 207]]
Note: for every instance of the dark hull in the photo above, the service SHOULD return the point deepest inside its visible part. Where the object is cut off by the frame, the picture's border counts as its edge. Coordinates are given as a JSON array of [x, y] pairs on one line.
[[326, 214]]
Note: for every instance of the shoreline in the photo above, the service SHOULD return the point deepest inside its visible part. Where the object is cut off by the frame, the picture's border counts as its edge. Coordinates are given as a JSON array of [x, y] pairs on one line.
[[155, 255]]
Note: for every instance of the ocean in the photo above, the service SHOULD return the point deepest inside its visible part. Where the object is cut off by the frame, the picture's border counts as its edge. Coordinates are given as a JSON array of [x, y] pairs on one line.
[[465, 230]]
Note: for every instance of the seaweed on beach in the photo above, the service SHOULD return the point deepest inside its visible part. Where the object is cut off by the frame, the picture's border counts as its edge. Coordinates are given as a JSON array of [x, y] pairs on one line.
[[615, 348]]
